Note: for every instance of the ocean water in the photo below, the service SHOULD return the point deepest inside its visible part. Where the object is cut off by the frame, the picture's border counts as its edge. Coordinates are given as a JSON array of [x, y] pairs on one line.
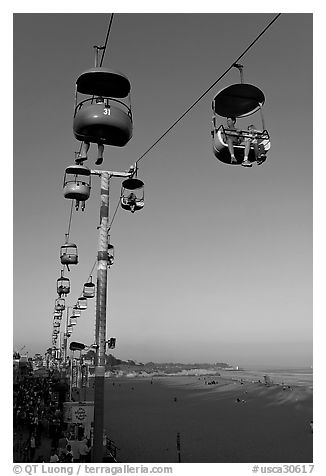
[[286, 376]]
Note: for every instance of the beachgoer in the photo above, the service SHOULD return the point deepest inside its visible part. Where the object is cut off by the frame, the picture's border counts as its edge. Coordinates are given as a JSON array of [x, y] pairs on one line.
[[258, 147], [311, 426], [232, 137], [54, 458], [62, 443], [83, 450], [32, 447], [75, 450], [68, 455]]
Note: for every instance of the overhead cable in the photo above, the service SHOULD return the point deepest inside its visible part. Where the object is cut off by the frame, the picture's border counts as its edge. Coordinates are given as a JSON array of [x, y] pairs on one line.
[[106, 39]]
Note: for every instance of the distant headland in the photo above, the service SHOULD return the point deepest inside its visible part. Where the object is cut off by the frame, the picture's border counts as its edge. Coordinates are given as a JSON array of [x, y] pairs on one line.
[[118, 367]]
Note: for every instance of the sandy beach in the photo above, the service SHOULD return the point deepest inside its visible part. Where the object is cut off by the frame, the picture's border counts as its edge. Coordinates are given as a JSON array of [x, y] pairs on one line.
[[269, 424]]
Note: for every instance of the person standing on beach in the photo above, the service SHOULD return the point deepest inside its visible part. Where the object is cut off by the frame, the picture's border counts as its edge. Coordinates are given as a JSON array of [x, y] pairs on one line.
[[83, 450], [62, 443], [68, 455], [75, 450], [32, 447], [54, 458]]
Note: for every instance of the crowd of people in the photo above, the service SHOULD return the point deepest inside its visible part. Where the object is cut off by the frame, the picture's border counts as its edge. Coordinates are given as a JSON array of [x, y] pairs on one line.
[[39, 428]]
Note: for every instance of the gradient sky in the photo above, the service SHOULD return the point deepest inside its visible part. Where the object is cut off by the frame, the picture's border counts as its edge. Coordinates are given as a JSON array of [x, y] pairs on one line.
[[218, 264]]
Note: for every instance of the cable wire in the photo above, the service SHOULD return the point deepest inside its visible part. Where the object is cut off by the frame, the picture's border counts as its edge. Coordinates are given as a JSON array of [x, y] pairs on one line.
[[106, 39], [70, 217], [207, 90]]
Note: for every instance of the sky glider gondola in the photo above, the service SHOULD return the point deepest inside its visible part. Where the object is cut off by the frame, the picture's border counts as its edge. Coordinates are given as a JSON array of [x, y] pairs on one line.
[[73, 320], [239, 146], [82, 303], [60, 305], [76, 346], [57, 314], [77, 184], [111, 343], [103, 113], [76, 311], [132, 194], [63, 285], [89, 289], [110, 255], [68, 253]]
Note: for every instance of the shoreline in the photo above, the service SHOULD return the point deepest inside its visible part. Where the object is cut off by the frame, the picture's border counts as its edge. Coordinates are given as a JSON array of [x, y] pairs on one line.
[[248, 376]]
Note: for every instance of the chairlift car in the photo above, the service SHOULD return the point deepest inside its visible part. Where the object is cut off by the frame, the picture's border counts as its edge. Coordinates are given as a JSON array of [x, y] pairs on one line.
[[89, 289], [110, 255], [132, 194], [82, 303], [76, 311], [102, 112], [239, 100], [111, 343], [57, 314], [77, 346], [77, 184], [60, 305], [68, 253], [63, 285]]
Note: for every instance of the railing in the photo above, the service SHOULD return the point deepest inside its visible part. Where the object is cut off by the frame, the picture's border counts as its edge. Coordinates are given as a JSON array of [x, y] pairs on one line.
[[112, 448], [106, 104], [243, 133]]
